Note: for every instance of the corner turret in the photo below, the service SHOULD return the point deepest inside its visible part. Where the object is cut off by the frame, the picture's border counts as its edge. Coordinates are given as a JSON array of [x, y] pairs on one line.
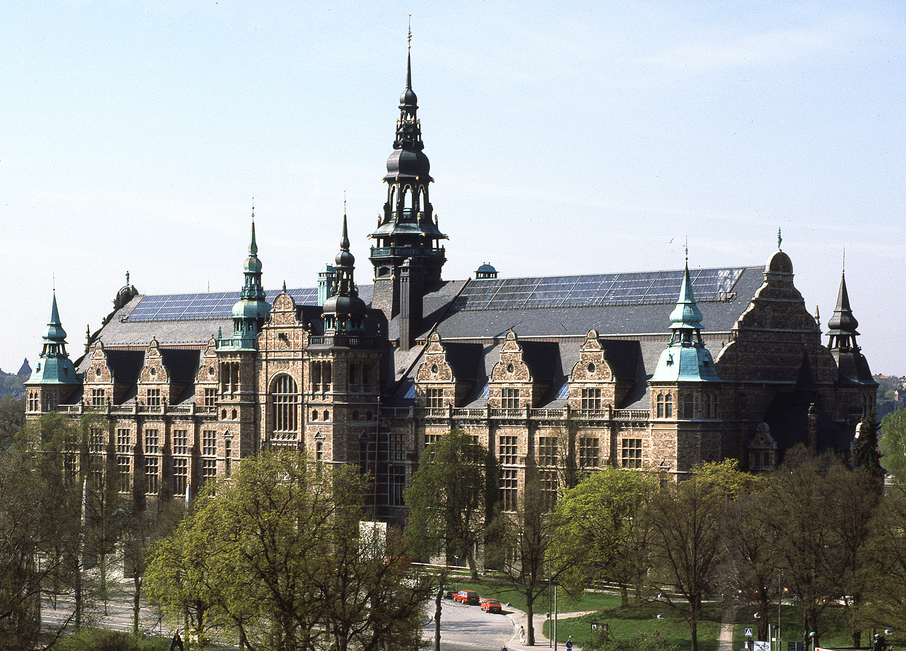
[[53, 378], [252, 308]]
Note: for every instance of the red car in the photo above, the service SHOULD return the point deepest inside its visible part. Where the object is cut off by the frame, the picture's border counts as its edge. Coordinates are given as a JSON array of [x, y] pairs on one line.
[[491, 606], [466, 597]]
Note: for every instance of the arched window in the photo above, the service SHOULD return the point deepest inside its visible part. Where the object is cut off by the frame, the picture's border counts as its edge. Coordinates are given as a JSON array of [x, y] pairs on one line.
[[353, 375], [660, 405], [668, 406], [688, 406], [314, 415], [285, 398]]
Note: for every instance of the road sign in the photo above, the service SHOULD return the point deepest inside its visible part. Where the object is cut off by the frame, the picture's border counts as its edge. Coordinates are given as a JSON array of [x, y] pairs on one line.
[[569, 645], [748, 632]]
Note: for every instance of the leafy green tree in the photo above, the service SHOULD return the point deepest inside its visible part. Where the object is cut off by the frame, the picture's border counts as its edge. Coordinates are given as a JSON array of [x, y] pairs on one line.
[[598, 533], [450, 497], [686, 536], [282, 557], [887, 585], [893, 444]]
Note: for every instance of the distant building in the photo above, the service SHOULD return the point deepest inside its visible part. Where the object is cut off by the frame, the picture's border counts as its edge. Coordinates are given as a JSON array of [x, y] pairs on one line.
[[663, 369]]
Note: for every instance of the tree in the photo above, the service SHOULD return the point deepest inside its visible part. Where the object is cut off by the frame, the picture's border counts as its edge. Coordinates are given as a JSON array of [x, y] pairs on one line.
[[893, 444], [808, 549], [522, 545], [747, 563], [856, 495], [867, 454], [12, 418], [449, 498], [281, 556], [686, 534], [598, 533], [885, 589]]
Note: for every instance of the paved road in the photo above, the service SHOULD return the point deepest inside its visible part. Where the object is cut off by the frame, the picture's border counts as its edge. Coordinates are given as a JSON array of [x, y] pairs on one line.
[[467, 628]]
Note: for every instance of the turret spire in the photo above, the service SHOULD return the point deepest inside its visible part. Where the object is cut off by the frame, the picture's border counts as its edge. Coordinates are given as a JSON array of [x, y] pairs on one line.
[[252, 308], [54, 365], [344, 311], [842, 324]]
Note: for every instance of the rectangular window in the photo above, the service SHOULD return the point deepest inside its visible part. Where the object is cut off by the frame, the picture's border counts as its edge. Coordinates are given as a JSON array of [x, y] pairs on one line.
[[152, 476], [210, 397], [125, 479], [591, 399], [209, 443], [123, 441], [180, 476], [227, 457], [96, 440], [631, 453], [152, 442], [509, 489], [547, 451], [588, 452], [397, 483], [549, 487], [397, 446], [33, 401], [180, 441], [97, 398], [507, 450], [434, 398], [509, 398], [153, 397], [431, 438], [208, 470]]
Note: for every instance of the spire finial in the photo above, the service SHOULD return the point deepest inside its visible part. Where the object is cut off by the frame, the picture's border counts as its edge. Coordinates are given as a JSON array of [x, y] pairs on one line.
[[409, 37], [253, 210], [844, 260], [127, 278], [686, 247], [779, 239]]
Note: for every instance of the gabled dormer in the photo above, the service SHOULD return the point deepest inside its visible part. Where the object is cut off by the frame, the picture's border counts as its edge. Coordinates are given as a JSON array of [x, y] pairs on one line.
[[447, 374], [592, 384], [524, 373], [154, 380]]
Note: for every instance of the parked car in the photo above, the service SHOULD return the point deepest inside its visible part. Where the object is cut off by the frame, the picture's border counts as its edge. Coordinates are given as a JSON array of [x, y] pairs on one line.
[[466, 597], [491, 606]]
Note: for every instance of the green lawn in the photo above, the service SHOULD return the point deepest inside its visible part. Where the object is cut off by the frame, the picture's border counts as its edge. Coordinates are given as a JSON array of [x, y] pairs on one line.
[[642, 620]]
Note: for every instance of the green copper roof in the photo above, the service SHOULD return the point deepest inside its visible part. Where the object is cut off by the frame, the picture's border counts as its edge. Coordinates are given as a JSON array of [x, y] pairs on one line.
[[54, 365]]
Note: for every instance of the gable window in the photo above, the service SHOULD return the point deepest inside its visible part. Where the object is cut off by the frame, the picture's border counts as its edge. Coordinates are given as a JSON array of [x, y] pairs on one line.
[[509, 398], [434, 398], [591, 399], [153, 397], [97, 398]]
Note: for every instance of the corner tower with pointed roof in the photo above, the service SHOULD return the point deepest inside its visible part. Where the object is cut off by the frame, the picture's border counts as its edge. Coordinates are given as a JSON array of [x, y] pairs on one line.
[[685, 392], [54, 377], [343, 374], [252, 308], [407, 228], [853, 373]]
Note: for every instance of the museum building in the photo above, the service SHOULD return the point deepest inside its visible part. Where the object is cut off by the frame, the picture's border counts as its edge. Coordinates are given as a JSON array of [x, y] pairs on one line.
[[568, 373]]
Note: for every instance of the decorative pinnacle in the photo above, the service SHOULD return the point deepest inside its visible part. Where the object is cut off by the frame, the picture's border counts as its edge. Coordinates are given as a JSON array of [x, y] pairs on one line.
[[127, 278], [409, 38], [779, 239]]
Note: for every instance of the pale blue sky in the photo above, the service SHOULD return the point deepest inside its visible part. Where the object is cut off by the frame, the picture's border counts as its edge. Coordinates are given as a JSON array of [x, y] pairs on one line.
[[584, 137]]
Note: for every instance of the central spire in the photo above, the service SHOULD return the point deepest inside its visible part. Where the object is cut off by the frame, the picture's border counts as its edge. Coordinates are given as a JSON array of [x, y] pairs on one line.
[[407, 228]]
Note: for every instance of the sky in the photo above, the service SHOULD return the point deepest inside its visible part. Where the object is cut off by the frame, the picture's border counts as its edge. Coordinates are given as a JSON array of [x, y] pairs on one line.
[[564, 138]]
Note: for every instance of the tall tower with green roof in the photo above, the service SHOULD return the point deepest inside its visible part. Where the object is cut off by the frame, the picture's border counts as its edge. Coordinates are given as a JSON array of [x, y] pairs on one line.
[[252, 308], [685, 392], [53, 378]]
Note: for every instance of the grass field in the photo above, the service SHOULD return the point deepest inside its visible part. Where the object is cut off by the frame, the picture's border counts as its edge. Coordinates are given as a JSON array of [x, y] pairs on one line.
[[643, 619]]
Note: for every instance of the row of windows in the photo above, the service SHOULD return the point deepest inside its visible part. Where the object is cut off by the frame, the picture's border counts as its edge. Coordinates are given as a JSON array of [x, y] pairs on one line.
[[179, 439], [690, 402]]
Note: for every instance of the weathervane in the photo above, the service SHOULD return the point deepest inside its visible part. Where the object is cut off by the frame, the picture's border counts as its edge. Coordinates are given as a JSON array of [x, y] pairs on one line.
[[779, 239]]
